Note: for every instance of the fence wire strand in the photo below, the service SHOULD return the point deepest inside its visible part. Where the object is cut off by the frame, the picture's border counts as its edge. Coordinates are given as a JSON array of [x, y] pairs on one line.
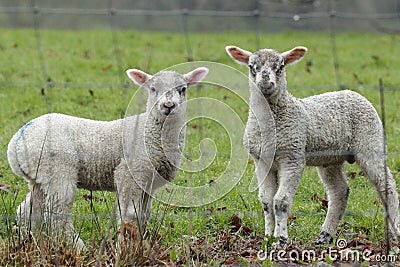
[[200, 13], [385, 203], [46, 80]]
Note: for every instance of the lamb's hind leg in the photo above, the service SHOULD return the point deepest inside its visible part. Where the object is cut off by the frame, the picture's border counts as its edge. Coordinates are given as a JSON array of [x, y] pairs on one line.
[[337, 188], [30, 211], [374, 167], [59, 197]]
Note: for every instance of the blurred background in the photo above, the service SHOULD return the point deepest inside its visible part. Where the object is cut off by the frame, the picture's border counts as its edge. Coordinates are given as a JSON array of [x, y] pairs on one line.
[[205, 15]]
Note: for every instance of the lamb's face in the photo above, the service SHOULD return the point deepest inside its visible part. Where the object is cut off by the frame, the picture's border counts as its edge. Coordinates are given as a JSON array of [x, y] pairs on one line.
[[267, 66], [167, 92], [266, 70], [167, 89]]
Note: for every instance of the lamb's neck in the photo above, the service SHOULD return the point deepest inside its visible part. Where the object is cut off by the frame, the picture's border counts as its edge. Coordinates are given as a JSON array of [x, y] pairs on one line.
[[259, 113], [169, 131], [174, 131], [280, 100]]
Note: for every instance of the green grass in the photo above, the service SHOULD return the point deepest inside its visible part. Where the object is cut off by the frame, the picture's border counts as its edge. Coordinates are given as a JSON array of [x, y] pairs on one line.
[[88, 82]]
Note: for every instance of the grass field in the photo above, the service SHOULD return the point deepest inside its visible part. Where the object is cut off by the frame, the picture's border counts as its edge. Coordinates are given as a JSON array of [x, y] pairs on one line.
[[82, 77]]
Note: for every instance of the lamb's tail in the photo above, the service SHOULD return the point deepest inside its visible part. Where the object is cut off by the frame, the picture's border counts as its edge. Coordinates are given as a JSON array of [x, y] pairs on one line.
[[12, 154]]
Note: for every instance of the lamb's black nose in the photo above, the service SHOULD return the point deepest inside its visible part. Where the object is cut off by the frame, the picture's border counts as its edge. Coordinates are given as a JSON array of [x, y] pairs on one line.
[[169, 104]]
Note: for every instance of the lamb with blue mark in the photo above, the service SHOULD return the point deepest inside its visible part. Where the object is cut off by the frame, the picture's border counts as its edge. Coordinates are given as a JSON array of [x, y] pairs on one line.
[[56, 154]]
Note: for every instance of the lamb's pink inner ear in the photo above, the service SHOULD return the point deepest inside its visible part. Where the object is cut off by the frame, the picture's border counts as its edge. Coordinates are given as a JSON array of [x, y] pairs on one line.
[[238, 55], [139, 77], [196, 76], [295, 55]]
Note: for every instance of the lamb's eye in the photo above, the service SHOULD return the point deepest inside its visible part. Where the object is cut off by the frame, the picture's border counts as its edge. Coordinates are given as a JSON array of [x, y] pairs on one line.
[[183, 89], [280, 69], [252, 69], [152, 89]]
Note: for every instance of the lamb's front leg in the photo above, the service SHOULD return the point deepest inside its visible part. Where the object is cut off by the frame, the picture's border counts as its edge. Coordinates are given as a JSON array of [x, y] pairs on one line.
[[267, 186], [133, 209], [289, 178], [133, 202]]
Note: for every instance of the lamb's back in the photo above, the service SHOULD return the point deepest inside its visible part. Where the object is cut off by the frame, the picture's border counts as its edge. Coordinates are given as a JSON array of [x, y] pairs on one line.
[[92, 148], [337, 122]]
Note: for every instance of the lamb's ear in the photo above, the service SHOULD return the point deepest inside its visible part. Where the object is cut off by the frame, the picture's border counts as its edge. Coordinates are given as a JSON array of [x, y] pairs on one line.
[[239, 55], [294, 55], [137, 76], [196, 75]]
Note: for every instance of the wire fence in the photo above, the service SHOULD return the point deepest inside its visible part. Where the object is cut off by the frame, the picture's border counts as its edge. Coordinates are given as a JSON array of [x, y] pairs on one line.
[[257, 17]]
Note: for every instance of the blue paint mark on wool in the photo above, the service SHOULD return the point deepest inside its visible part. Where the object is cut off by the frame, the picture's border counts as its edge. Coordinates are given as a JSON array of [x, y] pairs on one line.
[[23, 128]]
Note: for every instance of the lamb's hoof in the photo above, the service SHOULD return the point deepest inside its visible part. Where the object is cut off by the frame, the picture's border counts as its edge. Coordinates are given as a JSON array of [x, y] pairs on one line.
[[324, 238], [281, 243]]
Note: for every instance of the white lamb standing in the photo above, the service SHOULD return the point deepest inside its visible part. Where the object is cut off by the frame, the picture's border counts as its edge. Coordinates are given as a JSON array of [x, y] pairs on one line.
[[58, 153], [323, 131]]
